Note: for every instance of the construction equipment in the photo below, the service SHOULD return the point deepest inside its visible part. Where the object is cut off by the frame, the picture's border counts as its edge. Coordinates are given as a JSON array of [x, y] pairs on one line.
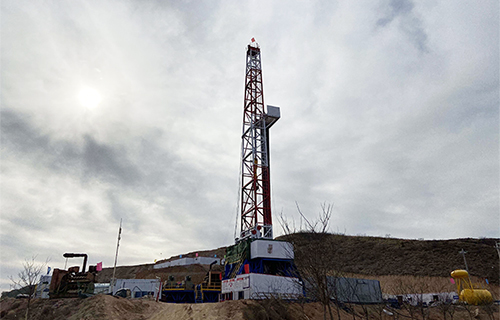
[[468, 292], [209, 289], [73, 282], [188, 292]]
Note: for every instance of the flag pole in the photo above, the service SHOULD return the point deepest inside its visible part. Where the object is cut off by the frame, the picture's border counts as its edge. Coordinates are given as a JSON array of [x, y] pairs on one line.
[[112, 284]]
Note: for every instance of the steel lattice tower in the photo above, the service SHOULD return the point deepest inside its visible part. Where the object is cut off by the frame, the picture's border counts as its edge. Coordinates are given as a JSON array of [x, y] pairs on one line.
[[256, 219]]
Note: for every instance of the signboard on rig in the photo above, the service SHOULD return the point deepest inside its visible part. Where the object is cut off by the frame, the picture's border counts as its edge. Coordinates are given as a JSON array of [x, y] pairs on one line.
[[236, 284], [271, 249]]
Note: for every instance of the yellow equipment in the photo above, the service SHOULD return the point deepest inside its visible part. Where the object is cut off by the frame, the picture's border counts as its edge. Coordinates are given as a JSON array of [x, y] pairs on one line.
[[467, 292]]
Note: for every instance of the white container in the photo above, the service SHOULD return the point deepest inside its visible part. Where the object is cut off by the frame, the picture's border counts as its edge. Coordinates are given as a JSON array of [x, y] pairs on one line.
[[271, 249], [261, 286], [136, 286]]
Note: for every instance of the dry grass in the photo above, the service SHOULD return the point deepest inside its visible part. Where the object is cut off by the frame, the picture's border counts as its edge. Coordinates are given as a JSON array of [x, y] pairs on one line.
[[402, 284], [389, 256]]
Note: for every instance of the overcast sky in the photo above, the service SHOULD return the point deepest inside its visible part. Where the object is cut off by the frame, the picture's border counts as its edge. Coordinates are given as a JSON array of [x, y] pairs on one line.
[[389, 111]]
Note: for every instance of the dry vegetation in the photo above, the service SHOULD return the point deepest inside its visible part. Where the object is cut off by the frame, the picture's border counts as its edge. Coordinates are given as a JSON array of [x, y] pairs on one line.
[[389, 256], [279, 310]]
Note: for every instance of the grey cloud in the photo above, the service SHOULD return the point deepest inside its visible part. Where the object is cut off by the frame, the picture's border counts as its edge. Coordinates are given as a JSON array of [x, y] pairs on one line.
[[17, 134], [93, 159], [396, 8], [101, 160], [120, 211], [415, 32], [410, 24]]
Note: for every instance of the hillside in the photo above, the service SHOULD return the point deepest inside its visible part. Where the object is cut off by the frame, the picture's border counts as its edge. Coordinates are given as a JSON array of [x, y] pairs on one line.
[[389, 256], [146, 271], [374, 256]]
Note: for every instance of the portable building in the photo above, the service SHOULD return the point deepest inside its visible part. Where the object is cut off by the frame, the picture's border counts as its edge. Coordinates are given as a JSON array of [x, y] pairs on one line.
[[348, 290], [138, 287], [260, 286]]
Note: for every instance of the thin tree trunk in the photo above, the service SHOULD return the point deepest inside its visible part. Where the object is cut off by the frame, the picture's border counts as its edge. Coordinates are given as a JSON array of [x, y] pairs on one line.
[[338, 310], [28, 309], [330, 310]]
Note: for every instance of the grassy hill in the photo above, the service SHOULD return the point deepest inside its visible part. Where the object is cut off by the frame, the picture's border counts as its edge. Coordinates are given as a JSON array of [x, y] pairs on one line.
[[374, 256], [389, 256]]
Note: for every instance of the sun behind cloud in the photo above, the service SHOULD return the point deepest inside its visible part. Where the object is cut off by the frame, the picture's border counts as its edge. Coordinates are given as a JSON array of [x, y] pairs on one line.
[[89, 97]]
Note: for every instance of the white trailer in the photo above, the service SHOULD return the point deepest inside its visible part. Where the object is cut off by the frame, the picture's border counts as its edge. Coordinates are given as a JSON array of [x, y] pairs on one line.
[[138, 287], [260, 286]]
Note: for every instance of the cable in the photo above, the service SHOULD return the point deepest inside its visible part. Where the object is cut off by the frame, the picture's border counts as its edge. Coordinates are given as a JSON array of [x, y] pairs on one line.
[[239, 195]]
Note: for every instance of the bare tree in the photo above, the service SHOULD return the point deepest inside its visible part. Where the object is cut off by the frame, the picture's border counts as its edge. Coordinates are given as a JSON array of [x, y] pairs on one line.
[[402, 289], [314, 256], [445, 303], [28, 278], [490, 309], [420, 289], [447, 308]]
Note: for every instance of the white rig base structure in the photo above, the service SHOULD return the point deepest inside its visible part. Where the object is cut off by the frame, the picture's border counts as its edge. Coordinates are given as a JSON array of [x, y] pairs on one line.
[[267, 272]]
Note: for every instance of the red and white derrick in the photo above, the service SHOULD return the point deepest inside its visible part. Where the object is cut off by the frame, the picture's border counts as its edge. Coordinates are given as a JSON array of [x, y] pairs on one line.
[[256, 219]]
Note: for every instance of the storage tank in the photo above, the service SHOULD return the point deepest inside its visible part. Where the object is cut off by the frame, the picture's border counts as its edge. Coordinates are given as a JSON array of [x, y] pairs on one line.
[[467, 292]]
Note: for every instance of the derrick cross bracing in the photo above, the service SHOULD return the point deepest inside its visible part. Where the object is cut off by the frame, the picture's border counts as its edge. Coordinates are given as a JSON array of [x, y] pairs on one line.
[[256, 220]]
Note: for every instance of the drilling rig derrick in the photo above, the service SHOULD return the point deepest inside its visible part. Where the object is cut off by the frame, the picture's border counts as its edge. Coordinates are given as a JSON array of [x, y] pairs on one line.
[[257, 266], [256, 218]]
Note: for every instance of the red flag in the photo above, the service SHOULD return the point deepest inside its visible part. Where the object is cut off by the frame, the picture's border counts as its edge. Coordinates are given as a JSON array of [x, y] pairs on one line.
[[253, 39], [99, 267]]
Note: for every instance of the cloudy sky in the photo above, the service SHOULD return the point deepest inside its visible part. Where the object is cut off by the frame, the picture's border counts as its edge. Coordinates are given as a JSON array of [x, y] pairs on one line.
[[389, 111]]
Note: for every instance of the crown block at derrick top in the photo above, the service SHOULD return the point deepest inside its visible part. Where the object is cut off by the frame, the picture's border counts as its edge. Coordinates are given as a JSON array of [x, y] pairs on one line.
[[271, 249]]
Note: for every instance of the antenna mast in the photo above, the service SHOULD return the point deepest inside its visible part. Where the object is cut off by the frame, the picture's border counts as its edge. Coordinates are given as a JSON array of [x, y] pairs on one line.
[[116, 256]]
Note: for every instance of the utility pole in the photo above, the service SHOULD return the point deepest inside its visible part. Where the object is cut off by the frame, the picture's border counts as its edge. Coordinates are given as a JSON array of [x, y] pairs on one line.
[[112, 285], [463, 252]]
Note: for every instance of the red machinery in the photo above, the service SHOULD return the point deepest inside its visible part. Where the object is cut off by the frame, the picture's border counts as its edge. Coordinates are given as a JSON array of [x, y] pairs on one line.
[[73, 282]]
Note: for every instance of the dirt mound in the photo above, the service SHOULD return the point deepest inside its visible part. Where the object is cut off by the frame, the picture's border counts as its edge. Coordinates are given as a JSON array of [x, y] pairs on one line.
[[110, 308], [206, 311], [106, 307], [11, 308]]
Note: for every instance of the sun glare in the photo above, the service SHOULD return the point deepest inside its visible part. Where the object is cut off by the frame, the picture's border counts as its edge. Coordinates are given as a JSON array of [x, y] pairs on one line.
[[89, 98]]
